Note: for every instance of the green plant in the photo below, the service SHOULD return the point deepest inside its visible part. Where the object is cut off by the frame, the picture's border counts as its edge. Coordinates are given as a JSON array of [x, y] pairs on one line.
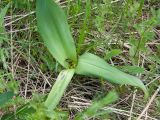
[[54, 29], [96, 107], [5, 97], [3, 37]]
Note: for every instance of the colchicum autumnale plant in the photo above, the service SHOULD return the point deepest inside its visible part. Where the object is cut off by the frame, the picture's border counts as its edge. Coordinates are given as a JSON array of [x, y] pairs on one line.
[[54, 29]]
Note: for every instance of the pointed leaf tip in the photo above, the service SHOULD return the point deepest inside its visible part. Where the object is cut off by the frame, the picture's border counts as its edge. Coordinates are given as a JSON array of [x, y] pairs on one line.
[[92, 65], [55, 32]]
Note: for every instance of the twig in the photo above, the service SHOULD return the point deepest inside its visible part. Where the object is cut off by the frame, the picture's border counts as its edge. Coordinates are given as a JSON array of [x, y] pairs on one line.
[[149, 103], [131, 110]]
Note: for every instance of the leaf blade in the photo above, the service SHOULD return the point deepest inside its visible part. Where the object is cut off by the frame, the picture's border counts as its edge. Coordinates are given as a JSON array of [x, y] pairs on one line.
[[93, 65], [54, 29], [59, 88], [93, 110], [3, 12]]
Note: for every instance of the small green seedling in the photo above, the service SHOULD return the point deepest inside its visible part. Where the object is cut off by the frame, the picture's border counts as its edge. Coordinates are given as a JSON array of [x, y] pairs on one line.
[[54, 29]]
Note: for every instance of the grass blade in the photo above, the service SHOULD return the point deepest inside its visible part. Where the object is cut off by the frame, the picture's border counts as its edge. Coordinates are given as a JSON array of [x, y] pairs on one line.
[[92, 111], [84, 29], [3, 12], [59, 88], [54, 29], [92, 65]]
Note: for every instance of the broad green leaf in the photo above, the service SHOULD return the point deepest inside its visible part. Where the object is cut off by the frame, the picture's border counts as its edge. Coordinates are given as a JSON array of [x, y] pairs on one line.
[[132, 69], [21, 112], [93, 65], [5, 97], [54, 29], [93, 110], [59, 88], [112, 53], [3, 12]]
